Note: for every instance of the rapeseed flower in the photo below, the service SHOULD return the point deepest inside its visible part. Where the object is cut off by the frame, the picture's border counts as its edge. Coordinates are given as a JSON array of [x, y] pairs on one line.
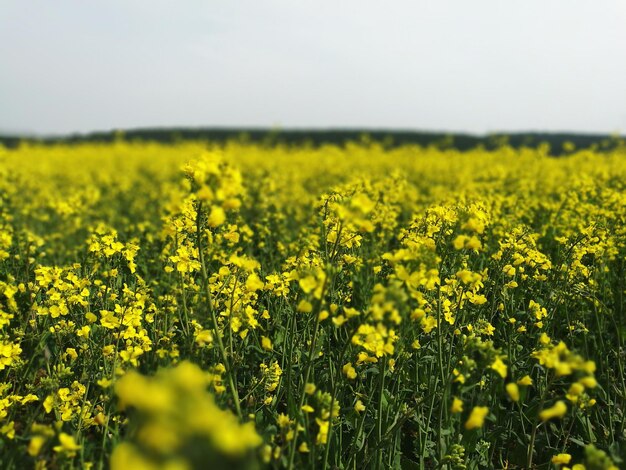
[[477, 417], [513, 391], [558, 410]]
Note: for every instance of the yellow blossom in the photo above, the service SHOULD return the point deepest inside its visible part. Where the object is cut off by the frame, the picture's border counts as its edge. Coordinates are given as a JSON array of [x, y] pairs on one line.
[[513, 391], [457, 405], [305, 306], [67, 445], [266, 343], [477, 417], [322, 433], [557, 411], [500, 367], [560, 459], [349, 371], [359, 406]]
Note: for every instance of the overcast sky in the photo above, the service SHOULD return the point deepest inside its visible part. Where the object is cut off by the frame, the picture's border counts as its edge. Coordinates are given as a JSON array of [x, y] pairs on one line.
[[476, 66]]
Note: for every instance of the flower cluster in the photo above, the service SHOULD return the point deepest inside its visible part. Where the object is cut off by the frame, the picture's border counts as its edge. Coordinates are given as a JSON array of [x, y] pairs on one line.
[[243, 306]]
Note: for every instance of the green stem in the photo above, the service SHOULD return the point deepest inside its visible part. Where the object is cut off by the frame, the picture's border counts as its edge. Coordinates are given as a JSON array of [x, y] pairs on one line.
[[207, 291], [379, 417], [333, 396], [307, 373], [531, 445]]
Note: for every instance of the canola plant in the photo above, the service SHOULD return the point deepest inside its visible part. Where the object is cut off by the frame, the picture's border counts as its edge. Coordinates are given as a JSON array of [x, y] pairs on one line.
[[238, 306]]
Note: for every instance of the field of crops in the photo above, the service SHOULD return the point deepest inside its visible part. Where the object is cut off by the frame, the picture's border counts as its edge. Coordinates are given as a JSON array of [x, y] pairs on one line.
[[190, 307]]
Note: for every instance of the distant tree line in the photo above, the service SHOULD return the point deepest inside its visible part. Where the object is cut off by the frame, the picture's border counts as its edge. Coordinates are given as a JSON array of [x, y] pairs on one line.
[[559, 143]]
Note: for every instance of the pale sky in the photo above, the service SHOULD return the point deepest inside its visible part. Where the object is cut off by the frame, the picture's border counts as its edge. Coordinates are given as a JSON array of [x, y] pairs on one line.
[[453, 65]]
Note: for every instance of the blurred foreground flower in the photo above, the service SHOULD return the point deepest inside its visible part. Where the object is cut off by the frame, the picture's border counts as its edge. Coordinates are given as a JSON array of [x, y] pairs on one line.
[[175, 423]]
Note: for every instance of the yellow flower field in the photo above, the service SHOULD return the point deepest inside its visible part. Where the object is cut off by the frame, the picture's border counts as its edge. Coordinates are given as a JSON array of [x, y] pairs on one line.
[[193, 306]]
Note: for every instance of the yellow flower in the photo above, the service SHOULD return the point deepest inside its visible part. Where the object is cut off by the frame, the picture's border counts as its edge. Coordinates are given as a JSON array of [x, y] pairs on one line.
[[283, 420], [589, 382], [41, 435], [104, 382], [473, 244], [83, 332], [499, 367], [322, 434], [561, 459], [48, 403], [359, 406], [457, 405], [216, 217], [35, 445], [589, 367], [478, 299], [266, 453], [68, 445], [349, 371], [526, 380], [477, 417], [428, 323], [8, 430], [308, 284], [126, 455], [254, 283], [513, 390], [305, 306], [575, 390], [557, 411], [459, 242], [266, 343]]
